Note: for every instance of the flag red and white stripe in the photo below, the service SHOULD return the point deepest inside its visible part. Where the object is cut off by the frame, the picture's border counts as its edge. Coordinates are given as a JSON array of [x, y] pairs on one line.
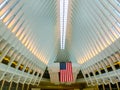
[[66, 74]]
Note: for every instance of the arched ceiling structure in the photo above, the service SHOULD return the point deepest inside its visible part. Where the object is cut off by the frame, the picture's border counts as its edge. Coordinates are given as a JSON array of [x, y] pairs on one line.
[[32, 30]]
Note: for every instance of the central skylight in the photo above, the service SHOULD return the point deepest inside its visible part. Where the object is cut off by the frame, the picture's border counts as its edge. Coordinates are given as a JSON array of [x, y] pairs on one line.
[[63, 22]]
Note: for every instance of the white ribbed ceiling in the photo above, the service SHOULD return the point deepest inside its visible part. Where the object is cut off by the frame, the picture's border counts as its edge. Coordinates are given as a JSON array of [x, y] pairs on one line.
[[92, 26], [95, 26], [41, 18]]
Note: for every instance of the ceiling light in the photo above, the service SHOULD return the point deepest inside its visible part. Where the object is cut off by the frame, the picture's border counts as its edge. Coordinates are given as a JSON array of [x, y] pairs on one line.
[[63, 21]]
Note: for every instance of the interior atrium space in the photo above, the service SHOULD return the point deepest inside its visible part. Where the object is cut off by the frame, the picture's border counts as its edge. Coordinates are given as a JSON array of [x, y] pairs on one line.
[[59, 44]]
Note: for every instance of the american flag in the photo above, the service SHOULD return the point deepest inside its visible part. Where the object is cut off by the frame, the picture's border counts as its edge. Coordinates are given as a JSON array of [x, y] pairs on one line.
[[66, 74]]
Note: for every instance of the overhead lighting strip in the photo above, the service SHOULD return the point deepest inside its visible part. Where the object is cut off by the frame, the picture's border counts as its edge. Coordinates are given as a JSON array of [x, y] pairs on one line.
[[63, 21]]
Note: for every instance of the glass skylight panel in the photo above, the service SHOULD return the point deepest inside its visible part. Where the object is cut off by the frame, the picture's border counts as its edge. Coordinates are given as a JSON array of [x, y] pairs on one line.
[[63, 21]]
